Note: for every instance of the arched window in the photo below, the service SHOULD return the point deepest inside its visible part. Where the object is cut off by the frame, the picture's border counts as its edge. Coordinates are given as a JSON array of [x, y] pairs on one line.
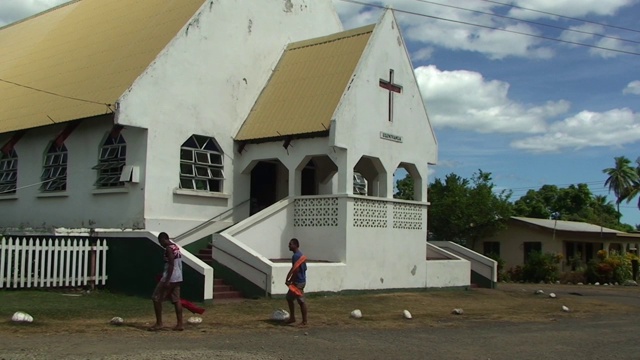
[[113, 156], [201, 164], [8, 172], [54, 169]]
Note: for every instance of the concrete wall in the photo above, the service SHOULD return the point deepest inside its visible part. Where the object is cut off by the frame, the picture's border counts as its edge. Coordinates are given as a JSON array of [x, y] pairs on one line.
[[205, 82], [81, 205], [380, 255], [268, 232], [320, 277], [448, 273]]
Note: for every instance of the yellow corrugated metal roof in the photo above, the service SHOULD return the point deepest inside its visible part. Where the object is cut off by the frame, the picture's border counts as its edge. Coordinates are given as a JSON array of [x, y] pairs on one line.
[[88, 49], [306, 86]]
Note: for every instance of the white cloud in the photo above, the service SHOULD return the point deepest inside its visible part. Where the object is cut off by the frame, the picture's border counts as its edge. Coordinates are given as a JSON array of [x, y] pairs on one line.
[[572, 8], [465, 100], [14, 10], [632, 88], [446, 25], [581, 33], [615, 127], [422, 54], [609, 43]]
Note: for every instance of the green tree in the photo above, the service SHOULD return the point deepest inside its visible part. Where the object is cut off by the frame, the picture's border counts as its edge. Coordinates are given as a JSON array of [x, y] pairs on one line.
[[404, 188], [464, 210], [621, 179], [634, 189], [574, 203]]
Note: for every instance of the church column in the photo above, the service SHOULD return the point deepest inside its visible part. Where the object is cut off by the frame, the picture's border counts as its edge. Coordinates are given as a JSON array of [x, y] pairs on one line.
[[420, 185], [345, 171], [295, 186]]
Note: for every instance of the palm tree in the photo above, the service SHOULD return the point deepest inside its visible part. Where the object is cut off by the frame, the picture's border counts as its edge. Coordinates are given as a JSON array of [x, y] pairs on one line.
[[621, 179], [634, 189]]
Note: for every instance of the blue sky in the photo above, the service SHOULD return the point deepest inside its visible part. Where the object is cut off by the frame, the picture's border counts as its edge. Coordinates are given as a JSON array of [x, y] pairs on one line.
[[528, 110]]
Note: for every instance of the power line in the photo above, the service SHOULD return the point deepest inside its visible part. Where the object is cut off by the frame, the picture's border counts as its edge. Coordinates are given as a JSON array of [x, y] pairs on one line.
[[493, 28], [560, 185], [529, 21], [55, 94], [561, 16], [30, 185]]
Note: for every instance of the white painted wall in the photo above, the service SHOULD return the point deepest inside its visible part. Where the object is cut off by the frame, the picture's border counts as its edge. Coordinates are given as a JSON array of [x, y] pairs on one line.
[[374, 257], [481, 264], [448, 273], [205, 82], [268, 232], [363, 110], [382, 258], [320, 277], [81, 205]]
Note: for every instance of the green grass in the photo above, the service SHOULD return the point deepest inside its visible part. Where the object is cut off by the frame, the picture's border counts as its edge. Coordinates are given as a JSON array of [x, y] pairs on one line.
[[57, 305], [54, 311]]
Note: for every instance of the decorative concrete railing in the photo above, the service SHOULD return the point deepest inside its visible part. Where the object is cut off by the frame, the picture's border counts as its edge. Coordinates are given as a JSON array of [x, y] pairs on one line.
[[47, 262], [480, 264], [322, 224]]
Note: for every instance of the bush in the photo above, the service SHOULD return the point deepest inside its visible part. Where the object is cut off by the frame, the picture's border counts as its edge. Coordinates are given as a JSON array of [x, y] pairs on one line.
[[610, 268], [541, 267], [501, 273], [514, 274]]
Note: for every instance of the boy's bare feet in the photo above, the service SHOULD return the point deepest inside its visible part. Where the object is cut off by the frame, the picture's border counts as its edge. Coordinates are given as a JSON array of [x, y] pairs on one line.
[[156, 327], [178, 328], [290, 321]]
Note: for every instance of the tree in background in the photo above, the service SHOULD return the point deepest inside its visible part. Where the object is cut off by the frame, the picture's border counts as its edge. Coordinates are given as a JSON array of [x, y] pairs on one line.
[[634, 190], [574, 203], [466, 210], [404, 188], [621, 180]]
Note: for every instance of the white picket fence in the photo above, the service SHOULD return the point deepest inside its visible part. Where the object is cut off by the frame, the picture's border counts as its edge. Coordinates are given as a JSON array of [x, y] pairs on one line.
[[37, 262]]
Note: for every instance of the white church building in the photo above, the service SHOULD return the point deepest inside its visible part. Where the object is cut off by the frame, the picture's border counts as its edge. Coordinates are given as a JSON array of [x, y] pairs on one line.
[[234, 126]]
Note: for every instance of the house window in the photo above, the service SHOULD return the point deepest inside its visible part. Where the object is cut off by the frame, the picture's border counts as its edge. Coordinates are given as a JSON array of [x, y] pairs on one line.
[[8, 172], [491, 248], [54, 170], [530, 247], [359, 184], [113, 155], [201, 164]]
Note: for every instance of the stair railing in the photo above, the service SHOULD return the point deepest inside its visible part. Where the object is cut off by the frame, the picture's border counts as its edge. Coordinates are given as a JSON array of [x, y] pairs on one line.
[[207, 222], [266, 276]]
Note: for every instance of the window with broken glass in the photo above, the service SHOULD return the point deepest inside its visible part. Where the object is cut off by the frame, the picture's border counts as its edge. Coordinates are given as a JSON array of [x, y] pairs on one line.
[[8, 172], [201, 164], [113, 156], [54, 170]]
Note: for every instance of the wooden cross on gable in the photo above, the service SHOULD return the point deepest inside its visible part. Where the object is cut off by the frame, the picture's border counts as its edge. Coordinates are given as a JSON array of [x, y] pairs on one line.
[[391, 87]]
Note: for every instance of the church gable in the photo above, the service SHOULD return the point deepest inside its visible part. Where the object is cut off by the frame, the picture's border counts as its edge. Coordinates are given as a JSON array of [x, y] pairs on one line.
[[76, 60], [383, 114], [306, 87]]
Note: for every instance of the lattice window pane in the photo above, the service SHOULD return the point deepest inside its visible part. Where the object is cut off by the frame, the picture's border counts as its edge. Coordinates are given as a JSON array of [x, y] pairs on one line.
[[202, 158], [187, 169], [215, 159], [201, 163], [111, 161], [201, 184], [186, 184]]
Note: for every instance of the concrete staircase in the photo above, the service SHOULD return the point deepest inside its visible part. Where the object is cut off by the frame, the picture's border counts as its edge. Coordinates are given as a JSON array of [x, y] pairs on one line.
[[221, 290]]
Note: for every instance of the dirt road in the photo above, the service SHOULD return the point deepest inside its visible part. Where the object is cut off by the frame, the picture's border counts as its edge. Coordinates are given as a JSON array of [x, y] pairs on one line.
[[601, 336]]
